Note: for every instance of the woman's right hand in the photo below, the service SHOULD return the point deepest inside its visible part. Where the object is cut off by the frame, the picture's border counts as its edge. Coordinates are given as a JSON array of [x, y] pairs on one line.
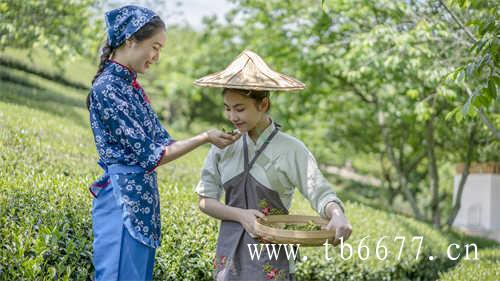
[[221, 139], [247, 217]]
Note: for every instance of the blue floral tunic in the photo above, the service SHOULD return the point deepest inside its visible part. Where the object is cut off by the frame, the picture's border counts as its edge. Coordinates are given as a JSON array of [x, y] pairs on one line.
[[130, 142]]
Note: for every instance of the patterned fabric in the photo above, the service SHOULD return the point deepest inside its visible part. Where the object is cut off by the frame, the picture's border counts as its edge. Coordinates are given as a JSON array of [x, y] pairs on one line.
[[125, 21], [130, 142]]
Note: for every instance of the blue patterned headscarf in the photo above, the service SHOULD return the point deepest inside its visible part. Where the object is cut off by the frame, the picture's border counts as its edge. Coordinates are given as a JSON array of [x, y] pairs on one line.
[[123, 22]]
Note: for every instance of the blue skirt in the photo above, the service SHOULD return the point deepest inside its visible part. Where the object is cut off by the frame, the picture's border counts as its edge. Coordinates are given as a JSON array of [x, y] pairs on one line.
[[117, 256]]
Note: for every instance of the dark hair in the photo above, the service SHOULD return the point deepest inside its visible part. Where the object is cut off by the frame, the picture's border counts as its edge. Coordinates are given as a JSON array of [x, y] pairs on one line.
[[145, 32], [258, 96]]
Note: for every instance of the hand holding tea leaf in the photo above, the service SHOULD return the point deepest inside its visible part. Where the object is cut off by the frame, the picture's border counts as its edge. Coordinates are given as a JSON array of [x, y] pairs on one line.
[[221, 139], [231, 132]]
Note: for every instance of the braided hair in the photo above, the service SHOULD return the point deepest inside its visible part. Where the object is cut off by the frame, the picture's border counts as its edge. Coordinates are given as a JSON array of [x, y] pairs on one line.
[[145, 32], [106, 52]]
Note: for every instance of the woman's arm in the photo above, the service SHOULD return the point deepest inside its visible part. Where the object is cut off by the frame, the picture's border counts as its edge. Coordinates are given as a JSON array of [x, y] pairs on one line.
[[306, 175], [179, 148], [246, 217]]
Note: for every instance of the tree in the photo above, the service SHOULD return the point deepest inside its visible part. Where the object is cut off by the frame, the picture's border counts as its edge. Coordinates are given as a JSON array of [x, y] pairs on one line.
[[65, 28], [480, 71], [374, 74]]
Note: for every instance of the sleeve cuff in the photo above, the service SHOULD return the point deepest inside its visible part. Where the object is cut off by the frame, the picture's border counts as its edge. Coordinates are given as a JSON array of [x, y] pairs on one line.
[[327, 201], [159, 160], [203, 190], [170, 141]]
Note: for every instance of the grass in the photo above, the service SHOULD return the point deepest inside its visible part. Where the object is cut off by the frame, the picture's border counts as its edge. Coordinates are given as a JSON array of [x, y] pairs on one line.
[[48, 159]]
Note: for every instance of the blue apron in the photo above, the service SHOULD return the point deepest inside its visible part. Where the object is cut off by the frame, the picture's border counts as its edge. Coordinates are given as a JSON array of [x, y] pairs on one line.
[[137, 193], [119, 253]]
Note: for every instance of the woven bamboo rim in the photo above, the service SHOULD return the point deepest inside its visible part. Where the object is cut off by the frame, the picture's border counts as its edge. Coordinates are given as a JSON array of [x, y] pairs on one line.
[[284, 236], [249, 72]]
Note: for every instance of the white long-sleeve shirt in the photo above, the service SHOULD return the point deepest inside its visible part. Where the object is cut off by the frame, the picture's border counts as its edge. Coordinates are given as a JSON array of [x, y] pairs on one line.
[[284, 165]]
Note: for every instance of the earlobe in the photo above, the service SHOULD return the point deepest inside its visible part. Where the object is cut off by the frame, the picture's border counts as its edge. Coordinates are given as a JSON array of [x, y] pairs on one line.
[[265, 104], [129, 43]]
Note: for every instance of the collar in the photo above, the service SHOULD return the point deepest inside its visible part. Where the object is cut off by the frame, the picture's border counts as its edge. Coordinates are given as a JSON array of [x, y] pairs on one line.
[[126, 73], [121, 71], [267, 131]]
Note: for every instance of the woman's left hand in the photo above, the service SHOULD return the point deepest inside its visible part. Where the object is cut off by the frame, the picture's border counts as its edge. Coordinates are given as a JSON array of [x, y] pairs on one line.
[[338, 222]]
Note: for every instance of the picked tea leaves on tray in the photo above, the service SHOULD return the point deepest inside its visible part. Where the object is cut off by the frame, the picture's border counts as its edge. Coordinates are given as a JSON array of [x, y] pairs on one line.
[[309, 226]]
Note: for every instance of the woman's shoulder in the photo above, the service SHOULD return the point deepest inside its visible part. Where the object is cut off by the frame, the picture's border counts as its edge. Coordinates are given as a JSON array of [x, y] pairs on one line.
[[107, 81], [292, 151], [108, 87], [290, 143]]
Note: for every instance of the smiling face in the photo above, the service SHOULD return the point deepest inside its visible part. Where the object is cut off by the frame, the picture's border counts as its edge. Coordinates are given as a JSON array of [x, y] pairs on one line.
[[243, 111], [141, 54]]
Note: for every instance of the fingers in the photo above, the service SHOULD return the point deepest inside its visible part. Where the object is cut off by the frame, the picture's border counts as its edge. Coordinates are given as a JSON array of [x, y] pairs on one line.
[[348, 232], [343, 232], [226, 136], [236, 136], [231, 137], [336, 241], [222, 143], [329, 226], [222, 140], [263, 241], [258, 214]]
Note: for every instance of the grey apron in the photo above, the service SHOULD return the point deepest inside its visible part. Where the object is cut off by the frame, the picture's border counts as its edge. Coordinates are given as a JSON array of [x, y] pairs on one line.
[[233, 260]]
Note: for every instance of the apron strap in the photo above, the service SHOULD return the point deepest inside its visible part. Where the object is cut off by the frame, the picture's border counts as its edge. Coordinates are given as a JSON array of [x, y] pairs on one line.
[[245, 153], [248, 166]]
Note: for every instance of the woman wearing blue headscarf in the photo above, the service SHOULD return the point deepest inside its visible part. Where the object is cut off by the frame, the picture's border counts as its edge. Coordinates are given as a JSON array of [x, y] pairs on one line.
[[131, 143]]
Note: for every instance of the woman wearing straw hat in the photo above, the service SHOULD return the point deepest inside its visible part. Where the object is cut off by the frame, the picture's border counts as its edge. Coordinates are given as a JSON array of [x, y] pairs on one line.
[[131, 143], [259, 172]]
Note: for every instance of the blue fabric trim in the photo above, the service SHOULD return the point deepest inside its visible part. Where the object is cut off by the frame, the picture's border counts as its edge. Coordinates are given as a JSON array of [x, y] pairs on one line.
[[124, 169]]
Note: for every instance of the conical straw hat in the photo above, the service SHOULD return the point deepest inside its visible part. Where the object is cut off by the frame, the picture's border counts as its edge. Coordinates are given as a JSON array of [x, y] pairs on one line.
[[249, 72]]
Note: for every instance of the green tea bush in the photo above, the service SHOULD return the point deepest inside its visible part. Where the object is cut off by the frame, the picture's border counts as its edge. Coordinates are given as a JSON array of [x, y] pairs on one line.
[[58, 78], [486, 268]]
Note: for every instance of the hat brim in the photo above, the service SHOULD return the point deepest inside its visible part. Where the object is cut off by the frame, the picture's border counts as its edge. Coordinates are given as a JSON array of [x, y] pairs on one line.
[[249, 72]]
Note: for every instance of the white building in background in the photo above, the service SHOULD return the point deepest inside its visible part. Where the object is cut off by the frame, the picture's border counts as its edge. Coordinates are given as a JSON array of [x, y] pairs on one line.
[[480, 207]]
